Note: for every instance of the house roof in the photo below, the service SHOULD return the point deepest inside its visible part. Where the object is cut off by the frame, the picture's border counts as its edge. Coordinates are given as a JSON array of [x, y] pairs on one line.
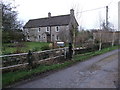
[[52, 21]]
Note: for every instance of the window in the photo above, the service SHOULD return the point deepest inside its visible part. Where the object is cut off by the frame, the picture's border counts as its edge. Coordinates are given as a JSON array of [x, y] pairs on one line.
[[57, 38], [28, 38], [47, 29], [67, 27], [57, 29], [39, 29], [26, 31], [39, 36]]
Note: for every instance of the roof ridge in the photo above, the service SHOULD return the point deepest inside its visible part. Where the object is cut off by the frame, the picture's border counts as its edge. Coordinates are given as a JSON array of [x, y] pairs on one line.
[[53, 21], [48, 17]]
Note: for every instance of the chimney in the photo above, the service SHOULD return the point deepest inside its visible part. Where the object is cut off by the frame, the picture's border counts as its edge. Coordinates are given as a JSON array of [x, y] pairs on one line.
[[72, 12], [49, 14]]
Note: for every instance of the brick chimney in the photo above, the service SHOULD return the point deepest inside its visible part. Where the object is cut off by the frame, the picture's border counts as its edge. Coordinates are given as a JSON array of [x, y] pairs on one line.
[[49, 14], [72, 12]]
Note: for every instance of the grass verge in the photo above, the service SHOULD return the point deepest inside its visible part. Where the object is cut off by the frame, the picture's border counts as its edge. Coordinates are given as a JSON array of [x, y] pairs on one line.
[[12, 77]]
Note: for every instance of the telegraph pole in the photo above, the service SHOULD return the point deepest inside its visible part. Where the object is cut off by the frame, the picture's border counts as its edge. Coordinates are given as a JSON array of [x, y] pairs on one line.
[[107, 17]]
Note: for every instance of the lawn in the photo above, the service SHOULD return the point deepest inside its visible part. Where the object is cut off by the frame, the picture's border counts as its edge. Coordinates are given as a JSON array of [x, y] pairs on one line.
[[12, 77], [23, 47]]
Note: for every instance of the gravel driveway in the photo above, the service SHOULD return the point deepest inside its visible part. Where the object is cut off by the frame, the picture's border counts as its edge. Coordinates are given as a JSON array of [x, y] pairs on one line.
[[98, 72]]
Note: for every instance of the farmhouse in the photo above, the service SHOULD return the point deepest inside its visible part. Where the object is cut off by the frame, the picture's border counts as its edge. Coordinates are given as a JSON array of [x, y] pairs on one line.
[[51, 28]]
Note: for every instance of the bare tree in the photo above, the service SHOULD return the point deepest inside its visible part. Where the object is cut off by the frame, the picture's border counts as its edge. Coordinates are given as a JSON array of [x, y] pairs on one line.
[[111, 28], [74, 29], [83, 38], [64, 35]]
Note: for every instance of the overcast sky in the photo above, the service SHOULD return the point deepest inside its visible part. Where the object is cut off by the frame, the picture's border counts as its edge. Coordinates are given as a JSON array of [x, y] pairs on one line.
[[32, 9]]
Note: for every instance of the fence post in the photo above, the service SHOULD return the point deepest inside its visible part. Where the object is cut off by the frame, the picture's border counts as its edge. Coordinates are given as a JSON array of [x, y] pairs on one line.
[[70, 51], [30, 59], [65, 53]]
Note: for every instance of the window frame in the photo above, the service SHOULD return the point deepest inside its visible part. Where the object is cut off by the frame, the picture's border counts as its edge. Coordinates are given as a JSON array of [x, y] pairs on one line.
[[39, 37], [39, 29], [57, 38], [47, 29], [28, 37], [57, 28]]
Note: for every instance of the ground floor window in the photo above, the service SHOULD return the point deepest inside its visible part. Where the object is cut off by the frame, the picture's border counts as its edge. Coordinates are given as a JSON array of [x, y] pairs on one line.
[[39, 36], [57, 37], [28, 37]]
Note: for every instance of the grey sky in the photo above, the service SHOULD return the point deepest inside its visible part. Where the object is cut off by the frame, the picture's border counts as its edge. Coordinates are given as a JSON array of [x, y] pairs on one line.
[[32, 9]]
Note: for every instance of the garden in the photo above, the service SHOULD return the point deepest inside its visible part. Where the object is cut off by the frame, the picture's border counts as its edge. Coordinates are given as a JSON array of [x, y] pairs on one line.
[[24, 47]]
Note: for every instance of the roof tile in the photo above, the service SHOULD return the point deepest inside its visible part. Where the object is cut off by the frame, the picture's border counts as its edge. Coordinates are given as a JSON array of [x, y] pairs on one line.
[[52, 21]]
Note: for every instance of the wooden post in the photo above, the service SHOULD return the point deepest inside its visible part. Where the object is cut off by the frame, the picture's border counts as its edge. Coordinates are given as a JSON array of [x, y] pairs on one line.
[[70, 51], [30, 59]]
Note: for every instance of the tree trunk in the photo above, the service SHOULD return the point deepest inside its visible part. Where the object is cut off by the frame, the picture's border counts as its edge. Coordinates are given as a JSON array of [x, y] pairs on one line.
[[113, 39], [100, 46]]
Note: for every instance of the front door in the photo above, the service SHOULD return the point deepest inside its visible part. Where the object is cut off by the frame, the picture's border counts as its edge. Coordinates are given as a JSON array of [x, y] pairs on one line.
[[48, 38]]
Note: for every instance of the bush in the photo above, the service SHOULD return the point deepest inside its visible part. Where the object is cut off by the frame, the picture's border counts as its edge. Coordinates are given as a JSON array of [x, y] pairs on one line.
[[46, 47], [35, 49], [105, 45]]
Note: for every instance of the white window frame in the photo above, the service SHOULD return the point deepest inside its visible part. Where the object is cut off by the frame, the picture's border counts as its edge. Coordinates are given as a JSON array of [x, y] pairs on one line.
[[57, 38], [57, 28], [39, 29], [47, 29]]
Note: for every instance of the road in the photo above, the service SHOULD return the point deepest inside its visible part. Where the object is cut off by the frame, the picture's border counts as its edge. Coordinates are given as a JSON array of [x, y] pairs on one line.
[[98, 72]]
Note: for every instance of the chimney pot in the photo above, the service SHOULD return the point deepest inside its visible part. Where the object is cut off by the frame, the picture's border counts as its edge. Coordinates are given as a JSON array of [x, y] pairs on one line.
[[49, 14], [72, 12]]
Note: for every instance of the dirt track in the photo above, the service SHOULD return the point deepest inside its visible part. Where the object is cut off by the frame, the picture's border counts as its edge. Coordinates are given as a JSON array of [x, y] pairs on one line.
[[98, 72]]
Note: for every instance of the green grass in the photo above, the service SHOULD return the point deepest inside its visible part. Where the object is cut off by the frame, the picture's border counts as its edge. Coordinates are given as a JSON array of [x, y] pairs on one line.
[[12, 77], [33, 46], [81, 57]]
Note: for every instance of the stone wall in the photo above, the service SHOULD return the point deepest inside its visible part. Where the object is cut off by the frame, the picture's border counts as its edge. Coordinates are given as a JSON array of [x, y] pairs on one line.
[[39, 34], [19, 61]]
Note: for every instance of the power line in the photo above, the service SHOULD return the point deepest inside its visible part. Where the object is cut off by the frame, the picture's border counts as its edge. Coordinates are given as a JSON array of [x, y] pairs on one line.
[[110, 3], [96, 8], [91, 9]]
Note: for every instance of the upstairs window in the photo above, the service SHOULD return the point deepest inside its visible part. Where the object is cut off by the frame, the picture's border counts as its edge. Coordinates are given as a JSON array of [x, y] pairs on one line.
[[57, 29], [47, 29], [39, 29]]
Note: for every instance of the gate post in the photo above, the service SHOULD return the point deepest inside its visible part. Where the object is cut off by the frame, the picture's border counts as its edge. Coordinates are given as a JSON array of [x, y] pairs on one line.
[[70, 51], [30, 59]]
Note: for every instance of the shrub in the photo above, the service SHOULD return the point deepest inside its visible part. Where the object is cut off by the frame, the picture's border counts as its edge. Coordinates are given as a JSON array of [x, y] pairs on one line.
[[105, 45], [46, 47], [35, 49]]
